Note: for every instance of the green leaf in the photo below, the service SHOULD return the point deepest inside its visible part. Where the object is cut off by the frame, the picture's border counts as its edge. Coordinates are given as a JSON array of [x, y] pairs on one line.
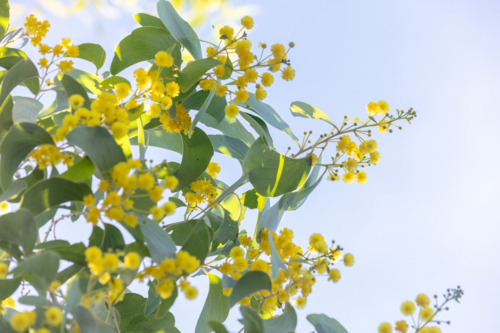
[[21, 72], [17, 187], [10, 56], [138, 248], [8, 287], [194, 71], [217, 327], [59, 104], [5, 325], [229, 126], [179, 28], [44, 217], [181, 231], [157, 240], [112, 81], [16, 146], [199, 241], [251, 320], [162, 139], [74, 253], [248, 284], [252, 200], [324, 324], [259, 126], [216, 306], [286, 323], [73, 87], [113, 238], [38, 301], [268, 114], [51, 244], [228, 230], [25, 109], [52, 192], [85, 320], [228, 69], [133, 321], [202, 111], [142, 45], [273, 174], [4, 16], [166, 304], [147, 20], [93, 53], [87, 80], [276, 263], [197, 153], [229, 146], [68, 273], [304, 110], [216, 108], [154, 300], [82, 170], [73, 297], [6, 119], [44, 264], [19, 228], [99, 145]]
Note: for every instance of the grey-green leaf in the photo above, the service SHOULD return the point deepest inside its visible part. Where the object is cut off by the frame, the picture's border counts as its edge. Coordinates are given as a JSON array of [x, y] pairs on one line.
[[229, 146], [147, 20], [85, 320], [324, 324], [179, 28], [19, 228], [17, 187], [162, 139], [276, 263], [304, 110], [44, 264], [251, 320], [194, 71], [21, 72], [249, 283], [216, 306], [26, 109], [8, 287], [93, 53], [286, 323], [159, 243]]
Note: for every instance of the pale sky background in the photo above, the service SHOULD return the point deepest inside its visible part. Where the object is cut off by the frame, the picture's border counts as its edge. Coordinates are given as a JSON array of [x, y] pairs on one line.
[[425, 220]]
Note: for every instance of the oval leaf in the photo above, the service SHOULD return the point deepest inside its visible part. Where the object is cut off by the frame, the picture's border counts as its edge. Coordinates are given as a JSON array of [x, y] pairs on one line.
[[19, 228], [304, 110], [194, 71], [21, 72], [159, 243], [286, 323], [229, 146], [93, 53], [199, 241], [249, 283], [25, 109], [8, 287], [216, 306], [324, 324], [44, 265], [72, 87]]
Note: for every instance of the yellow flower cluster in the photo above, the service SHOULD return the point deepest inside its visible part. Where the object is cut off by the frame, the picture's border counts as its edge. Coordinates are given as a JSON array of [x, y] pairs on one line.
[[213, 169], [201, 191], [182, 123], [236, 55], [169, 271], [285, 286], [21, 321], [127, 178], [47, 155]]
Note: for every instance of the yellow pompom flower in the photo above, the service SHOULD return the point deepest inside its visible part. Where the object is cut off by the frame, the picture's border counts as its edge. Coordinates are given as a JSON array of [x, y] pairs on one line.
[[361, 177], [43, 63], [227, 292], [131, 220], [241, 96], [165, 102], [240, 264], [156, 193], [219, 70], [434, 329], [267, 79], [368, 147], [247, 22], [350, 164], [259, 265], [288, 74], [227, 31], [232, 110], [172, 89], [348, 260], [4, 269], [73, 51], [118, 130], [422, 300], [278, 51], [226, 268], [169, 208], [132, 260], [211, 51], [401, 326], [375, 157], [157, 212], [407, 308], [145, 181], [334, 275], [300, 302], [4, 207], [154, 110], [110, 261], [20, 321], [251, 75], [164, 59], [93, 254], [65, 66], [236, 252], [76, 101], [122, 90], [372, 108], [88, 200], [165, 288], [171, 182], [191, 292], [383, 107], [54, 316], [348, 177], [385, 328], [426, 314], [213, 169]]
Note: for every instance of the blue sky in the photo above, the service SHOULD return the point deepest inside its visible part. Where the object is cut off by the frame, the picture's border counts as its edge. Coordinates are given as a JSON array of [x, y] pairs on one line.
[[425, 220]]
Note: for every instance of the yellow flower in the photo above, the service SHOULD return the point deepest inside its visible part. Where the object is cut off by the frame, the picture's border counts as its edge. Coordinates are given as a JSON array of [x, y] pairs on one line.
[[172, 89], [145, 181], [227, 31], [372, 108], [232, 110], [241, 96], [221, 90], [211, 51], [226, 268], [164, 59], [43, 63], [65, 66], [267, 79], [213, 169], [240, 264], [300, 302], [245, 240], [73, 51], [76, 101], [375, 157], [110, 261], [191, 292], [54, 315], [43, 330], [385, 328], [288, 74], [426, 314], [422, 300], [88, 200], [368, 147], [103, 185], [93, 254], [169, 208], [401, 326], [334, 275], [66, 42], [131, 220], [236, 252], [57, 50], [20, 321], [383, 107], [348, 177], [44, 49], [227, 292], [4, 269], [157, 212], [259, 265], [155, 110], [350, 164], [407, 308], [278, 51], [122, 90], [247, 22], [361, 177], [115, 213], [118, 130], [171, 182], [219, 70], [132, 260], [348, 260], [165, 288]]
